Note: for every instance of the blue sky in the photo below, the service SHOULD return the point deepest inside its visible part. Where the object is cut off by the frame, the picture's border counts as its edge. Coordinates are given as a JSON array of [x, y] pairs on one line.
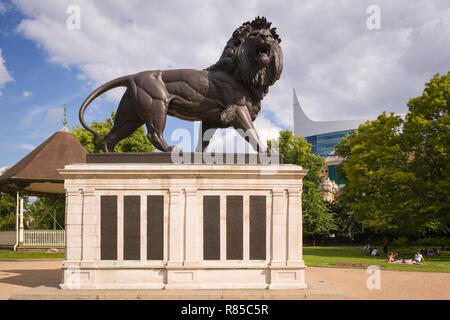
[[339, 68]]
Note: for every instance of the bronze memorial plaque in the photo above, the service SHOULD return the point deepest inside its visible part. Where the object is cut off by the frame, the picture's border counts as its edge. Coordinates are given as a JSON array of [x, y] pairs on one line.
[[108, 228], [211, 227], [235, 232], [257, 227], [131, 227], [155, 227]]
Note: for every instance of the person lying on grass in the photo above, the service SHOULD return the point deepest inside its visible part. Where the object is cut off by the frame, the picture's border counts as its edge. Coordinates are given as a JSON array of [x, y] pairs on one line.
[[391, 259]]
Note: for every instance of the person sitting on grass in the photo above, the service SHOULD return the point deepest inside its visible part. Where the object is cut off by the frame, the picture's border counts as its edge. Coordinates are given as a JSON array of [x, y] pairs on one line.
[[437, 252], [391, 257], [374, 252], [419, 257]]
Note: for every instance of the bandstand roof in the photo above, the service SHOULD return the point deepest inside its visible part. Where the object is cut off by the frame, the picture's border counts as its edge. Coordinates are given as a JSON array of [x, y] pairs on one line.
[[36, 174]]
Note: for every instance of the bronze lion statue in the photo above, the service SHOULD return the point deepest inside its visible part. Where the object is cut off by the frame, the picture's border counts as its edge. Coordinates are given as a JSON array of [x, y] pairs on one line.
[[226, 94]]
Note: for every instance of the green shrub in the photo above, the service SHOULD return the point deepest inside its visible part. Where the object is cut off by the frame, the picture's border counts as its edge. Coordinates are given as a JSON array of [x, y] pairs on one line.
[[433, 241], [402, 241]]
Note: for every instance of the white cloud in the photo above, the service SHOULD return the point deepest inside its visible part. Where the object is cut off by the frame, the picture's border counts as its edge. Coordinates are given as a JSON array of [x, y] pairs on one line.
[[27, 93], [26, 146], [3, 8], [228, 140], [32, 115], [4, 74], [339, 68], [55, 114]]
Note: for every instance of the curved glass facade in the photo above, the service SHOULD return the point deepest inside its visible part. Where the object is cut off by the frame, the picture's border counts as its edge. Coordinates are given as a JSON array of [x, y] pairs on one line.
[[323, 144]]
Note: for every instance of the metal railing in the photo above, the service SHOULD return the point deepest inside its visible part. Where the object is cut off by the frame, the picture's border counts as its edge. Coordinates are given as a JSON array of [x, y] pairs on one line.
[[44, 238]]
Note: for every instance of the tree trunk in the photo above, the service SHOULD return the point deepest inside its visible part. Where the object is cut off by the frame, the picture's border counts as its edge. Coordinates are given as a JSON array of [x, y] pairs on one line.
[[54, 214]]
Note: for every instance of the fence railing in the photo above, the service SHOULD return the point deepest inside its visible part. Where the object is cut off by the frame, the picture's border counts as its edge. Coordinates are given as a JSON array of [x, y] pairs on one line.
[[44, 238]]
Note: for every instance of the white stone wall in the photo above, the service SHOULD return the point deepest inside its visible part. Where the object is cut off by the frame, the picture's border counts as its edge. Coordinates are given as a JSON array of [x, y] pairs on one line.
[[183, 188]]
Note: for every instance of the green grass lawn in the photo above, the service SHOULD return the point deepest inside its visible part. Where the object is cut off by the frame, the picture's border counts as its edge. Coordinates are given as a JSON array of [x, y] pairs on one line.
[[330, 256], [315, 257], [9, 254]]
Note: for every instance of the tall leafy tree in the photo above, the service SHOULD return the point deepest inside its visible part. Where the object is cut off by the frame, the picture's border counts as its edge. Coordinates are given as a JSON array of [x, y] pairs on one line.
[[7, 212], [317, 218], [398, 170], [426, 136], [40, 214], [137, 142], [375, 169]]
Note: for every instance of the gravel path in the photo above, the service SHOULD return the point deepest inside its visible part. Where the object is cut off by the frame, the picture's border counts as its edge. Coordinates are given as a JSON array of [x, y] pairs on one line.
[[393, 284], [20, 275]]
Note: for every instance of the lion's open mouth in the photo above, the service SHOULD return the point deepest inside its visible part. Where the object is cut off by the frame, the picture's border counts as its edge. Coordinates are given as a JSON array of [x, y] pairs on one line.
[[263, 50]]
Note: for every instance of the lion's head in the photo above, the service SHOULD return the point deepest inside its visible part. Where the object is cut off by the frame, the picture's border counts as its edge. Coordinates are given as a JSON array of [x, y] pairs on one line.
[[254, 56]]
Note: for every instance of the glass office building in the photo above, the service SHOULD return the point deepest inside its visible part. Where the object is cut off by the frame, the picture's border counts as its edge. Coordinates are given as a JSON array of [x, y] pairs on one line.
[[323, 135], [323, 144]]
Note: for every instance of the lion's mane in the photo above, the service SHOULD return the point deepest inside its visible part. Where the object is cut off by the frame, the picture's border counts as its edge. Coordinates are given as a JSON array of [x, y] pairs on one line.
[[238, 58]]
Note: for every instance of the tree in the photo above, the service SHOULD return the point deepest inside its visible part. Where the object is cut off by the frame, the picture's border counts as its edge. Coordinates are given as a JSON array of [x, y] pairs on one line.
[[40, 214], [7, 212], [426, 136], [317, 218], [398, 170], [343, 218], [375, 169], [137, 142]]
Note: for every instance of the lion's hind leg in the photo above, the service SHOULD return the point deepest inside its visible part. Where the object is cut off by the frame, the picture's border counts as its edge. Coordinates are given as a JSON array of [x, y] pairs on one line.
[[126, 122], [155, 120]]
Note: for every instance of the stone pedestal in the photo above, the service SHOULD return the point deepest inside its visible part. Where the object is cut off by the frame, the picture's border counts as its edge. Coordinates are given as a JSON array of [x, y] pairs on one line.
[[153, 226]]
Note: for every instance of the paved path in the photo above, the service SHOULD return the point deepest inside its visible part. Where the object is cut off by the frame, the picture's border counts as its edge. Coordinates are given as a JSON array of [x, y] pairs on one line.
[[394, 284], [18, 276]]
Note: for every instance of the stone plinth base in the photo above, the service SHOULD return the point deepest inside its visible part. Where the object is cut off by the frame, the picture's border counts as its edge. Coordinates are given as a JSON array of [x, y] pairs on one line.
[[315, 290], [155, 226]]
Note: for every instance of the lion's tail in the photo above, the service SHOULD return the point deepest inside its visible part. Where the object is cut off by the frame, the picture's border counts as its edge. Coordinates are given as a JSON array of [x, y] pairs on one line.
[[119, 82]]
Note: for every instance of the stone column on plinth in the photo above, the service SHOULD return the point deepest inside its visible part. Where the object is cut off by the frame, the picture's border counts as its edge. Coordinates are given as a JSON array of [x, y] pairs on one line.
[[74, 202], [294, 229], [74, 277], [192, 240], [176, 228], [89, 232], [287, 268], [279, 222]]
